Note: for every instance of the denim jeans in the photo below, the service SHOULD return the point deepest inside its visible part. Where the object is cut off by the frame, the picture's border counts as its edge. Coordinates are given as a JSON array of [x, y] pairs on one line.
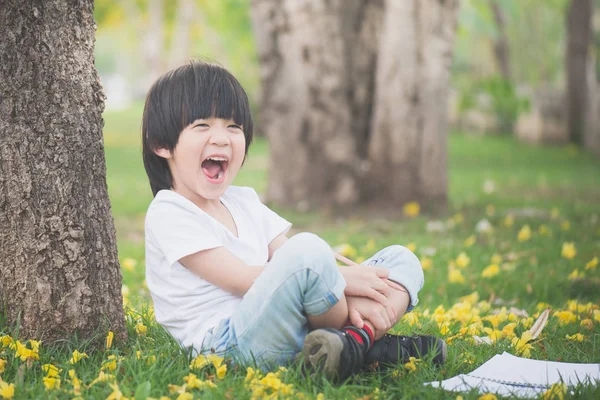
[[302, 278]]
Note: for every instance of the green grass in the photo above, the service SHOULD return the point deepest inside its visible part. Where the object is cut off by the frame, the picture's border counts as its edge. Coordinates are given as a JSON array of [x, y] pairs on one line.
[[528, 182]]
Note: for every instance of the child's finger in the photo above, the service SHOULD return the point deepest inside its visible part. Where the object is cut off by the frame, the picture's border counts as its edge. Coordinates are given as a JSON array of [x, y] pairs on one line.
[[377, 296], [394, 285], [381, 272], [355, 318]]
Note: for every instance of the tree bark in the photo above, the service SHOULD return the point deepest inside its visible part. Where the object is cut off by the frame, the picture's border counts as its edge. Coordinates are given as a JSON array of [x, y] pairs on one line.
[[325, 106], [408, 150], [59, 269], [579, 34], [501, 46]]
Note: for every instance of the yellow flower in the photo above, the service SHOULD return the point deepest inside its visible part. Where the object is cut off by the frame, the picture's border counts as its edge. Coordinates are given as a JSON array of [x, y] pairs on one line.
[[455, 276], [573, 276], [542, 306], [426, 263], [116, 393], [462, 260], [458, 218], [77, 356], [490, 210], [524, 234], [490, 271], [509, 330], [185, 396], [7, 341], [51, 383], [543, 230], [111, 363], [509, 220], [568, 250], [496, 259], [412, 246], [221, 371], [578, 337], [24, 353], [565, 225], [192, 381], [370, 246], [585, 323], [556, 392], [129, 264], [109, 339], [346, 250], [199, 362], [7, 390], [75, 382], [470, 241], [2, 365], [597, 315], [522, 347], [411, 209], [141, 329], [488, 396], [565, 317], [411, 365], [102, 377], [592, 264], [51, 371]]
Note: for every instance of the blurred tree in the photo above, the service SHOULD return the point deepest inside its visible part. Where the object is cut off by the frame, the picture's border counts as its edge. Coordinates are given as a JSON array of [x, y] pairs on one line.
[[579, 40], [501, 44], [59, 269], [354, 99]]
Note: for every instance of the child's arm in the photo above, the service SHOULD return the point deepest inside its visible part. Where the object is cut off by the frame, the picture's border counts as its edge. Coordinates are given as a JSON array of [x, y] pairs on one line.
[[222, 268]]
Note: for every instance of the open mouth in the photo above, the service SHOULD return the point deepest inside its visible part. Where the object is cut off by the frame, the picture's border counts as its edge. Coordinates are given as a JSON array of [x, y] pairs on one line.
[[214, 167]]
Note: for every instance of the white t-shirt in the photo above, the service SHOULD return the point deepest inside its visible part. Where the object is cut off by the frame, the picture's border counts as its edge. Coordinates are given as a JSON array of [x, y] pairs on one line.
[[184, 303]]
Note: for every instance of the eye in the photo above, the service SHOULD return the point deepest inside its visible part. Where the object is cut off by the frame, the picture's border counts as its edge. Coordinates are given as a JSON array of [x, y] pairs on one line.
[[201, 125], [235, 127]]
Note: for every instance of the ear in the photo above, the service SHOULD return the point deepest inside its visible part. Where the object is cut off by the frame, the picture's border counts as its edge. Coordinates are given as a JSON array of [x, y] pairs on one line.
[[162, 152]]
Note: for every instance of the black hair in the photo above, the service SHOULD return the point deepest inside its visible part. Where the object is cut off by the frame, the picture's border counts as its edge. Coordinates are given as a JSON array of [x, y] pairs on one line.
[[197, 90]]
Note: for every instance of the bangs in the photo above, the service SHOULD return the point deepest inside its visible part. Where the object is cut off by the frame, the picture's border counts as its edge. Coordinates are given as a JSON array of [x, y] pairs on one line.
[[216, 94]]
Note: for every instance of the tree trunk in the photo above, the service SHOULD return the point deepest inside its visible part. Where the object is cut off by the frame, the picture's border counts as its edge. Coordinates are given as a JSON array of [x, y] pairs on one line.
[[501, 46], [154, 42], [329, 107], [579, 33], [185, 15], [59, 269]]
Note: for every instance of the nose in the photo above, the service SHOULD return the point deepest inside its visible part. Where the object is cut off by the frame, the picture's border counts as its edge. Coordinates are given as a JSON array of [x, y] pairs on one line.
[[219, 137]]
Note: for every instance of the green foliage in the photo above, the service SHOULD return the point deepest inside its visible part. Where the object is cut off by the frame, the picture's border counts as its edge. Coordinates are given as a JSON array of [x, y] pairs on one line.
[[504, 101]]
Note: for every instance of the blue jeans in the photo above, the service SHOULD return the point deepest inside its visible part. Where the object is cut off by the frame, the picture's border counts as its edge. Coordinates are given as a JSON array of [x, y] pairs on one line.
[[302, 278]]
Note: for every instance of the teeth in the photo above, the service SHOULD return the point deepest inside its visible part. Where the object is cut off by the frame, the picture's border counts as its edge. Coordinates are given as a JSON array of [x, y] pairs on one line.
[[217, 158], [220, 175]]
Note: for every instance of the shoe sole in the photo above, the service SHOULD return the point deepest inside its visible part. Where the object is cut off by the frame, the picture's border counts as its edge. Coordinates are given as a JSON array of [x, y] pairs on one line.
[[322, 351], [444, 351]]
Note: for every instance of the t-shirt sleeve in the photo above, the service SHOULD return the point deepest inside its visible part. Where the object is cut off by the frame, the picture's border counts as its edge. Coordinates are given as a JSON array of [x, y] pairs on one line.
[[179, 232], [273, 225]]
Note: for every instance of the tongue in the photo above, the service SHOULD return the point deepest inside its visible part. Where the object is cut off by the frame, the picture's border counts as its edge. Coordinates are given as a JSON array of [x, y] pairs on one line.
[[211, 168]]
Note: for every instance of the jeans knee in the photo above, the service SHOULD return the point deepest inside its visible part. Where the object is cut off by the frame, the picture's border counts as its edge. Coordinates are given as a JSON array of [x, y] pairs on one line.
[[406, 258], [307, 250]]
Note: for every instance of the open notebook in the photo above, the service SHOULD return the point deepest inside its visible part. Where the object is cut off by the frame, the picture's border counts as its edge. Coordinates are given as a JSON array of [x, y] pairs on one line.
[[508, 375]]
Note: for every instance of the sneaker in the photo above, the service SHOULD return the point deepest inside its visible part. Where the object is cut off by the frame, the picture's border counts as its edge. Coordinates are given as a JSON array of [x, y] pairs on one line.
[[334, 352], [394, 350]]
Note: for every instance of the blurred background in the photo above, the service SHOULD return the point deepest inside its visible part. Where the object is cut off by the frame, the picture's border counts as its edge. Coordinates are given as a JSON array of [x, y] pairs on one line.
[[520, 187]]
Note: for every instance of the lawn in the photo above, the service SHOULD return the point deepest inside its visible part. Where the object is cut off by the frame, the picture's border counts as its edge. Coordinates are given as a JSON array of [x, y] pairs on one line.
[[540, 250]]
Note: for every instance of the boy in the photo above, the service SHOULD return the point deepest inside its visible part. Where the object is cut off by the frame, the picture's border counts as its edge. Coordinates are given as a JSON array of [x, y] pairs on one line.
[[221, 271]]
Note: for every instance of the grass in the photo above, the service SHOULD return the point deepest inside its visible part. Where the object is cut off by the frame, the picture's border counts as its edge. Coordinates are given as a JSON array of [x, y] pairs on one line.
[[552, 190]]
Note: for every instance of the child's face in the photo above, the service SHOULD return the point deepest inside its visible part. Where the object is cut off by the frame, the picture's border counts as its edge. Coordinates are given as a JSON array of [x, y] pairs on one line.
[[207, 158]]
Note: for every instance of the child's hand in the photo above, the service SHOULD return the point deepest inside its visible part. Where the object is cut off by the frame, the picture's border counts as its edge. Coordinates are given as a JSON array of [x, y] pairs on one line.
[[368, 282], [361, 309]]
